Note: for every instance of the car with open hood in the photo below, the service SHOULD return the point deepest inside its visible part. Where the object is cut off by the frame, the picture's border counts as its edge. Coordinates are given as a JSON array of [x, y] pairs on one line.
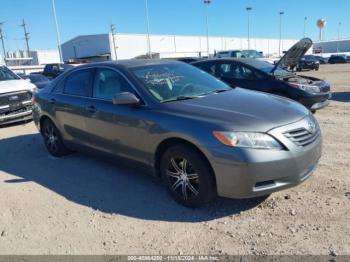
[[15, 97], [276, 79], [202, 137]]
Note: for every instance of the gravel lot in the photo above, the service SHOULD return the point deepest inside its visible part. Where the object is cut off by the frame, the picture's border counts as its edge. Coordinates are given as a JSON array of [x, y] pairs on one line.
[[83, 205]]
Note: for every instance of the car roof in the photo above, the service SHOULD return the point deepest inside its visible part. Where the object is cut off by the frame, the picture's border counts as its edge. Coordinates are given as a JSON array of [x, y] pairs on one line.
[[241, 60], [129, 63]]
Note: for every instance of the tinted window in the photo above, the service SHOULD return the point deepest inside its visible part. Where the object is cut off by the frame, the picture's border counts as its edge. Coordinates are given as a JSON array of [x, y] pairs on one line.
[[229, 70], [78, 83], [108, 83], [207, 67]]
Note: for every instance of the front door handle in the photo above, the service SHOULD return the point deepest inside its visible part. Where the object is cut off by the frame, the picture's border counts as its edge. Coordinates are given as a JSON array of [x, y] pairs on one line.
[[52, 100], [91, 109]]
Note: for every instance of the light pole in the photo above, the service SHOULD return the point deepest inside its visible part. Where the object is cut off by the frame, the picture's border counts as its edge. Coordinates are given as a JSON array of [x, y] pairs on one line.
[[280, 41], [339, 25], [57, 31], [248, 12], [113, 40], [206, 3], [148, 36], [305, 19]]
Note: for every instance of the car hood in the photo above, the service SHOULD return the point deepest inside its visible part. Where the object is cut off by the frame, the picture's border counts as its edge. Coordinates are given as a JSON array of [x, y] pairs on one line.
[[241, 110], [294, 54], [15, 85]]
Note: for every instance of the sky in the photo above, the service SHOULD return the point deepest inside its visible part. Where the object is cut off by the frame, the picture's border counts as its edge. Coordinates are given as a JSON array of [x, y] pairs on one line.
[[184, 17]]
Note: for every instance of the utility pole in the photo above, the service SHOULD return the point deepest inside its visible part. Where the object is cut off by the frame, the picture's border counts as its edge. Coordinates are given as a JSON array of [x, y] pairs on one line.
[[280, 42], [148, 36], [206, 3], [114, 47], [26, 36], [248, 11], [2, 41]]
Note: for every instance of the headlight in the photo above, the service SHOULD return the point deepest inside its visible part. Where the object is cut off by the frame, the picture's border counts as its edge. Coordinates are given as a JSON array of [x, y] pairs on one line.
[[248, 140], [310, 89]]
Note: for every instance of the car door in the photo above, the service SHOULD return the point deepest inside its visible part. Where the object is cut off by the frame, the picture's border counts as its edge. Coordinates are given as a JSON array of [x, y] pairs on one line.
[[116, 129], [70, 105]]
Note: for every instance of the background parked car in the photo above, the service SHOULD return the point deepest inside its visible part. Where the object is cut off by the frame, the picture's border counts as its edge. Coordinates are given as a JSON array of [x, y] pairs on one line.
[[187, 60], [337, 59], [238, 54], [187, 126], [39, 80], [15, 97], [308, 62], [321, 59], [262, 76], [53, 70]]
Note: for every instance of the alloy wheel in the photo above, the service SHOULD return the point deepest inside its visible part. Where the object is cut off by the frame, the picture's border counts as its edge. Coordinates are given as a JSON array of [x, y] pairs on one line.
[[51, 138], [183, 178]]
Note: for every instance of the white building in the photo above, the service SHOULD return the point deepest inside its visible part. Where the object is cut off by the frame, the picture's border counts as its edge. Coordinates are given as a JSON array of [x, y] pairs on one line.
[[100, 47], [332, 46], [36, 57]]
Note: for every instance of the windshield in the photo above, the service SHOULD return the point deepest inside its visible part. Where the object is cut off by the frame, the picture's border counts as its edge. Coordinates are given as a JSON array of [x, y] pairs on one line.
[[251, 54], [7, 74], [267, 67], [223, 54], [169, 82]]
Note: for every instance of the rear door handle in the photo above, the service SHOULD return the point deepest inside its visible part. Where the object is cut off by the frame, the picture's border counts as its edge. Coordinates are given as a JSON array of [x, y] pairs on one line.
[[52, 100], [91, 109]]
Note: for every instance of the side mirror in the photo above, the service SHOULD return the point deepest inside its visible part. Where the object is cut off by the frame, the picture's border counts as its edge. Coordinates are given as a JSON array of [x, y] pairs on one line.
[[125, 98]]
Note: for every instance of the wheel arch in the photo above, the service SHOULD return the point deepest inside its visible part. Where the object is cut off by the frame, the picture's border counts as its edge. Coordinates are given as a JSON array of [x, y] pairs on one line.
[[169, 142]]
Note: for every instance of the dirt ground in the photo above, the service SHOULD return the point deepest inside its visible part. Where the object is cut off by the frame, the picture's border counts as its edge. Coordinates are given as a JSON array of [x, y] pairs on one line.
[[82, 205]]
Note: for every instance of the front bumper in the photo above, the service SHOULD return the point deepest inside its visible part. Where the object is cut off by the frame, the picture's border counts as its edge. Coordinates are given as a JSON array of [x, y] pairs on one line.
[[316, 101], [16, 116], [246, 173]]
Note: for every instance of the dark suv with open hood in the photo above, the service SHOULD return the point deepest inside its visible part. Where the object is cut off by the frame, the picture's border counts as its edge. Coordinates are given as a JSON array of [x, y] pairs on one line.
[[261, 76]]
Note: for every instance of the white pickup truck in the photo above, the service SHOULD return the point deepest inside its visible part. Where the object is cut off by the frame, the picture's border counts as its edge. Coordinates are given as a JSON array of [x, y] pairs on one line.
[[15, 97]]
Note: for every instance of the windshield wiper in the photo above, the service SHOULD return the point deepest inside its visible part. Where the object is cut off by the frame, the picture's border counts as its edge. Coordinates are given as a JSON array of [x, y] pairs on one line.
[[215, 91], [178, 98]]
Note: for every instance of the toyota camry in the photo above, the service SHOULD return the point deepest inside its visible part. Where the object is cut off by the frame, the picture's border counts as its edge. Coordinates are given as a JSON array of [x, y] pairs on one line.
[[203, 138]]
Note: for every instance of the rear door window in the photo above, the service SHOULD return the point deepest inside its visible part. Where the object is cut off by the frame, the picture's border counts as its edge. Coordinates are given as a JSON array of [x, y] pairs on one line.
[[78, 83]]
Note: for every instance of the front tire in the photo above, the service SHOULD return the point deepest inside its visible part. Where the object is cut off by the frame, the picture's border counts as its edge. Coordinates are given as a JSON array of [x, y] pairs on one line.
[[188, 176], [53, 140]]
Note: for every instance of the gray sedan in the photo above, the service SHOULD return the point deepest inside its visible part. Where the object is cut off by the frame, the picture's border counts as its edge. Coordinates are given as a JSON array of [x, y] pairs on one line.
[[203, 138]]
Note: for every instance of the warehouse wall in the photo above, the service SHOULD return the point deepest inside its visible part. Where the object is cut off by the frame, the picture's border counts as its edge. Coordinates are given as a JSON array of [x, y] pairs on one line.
[[132, 45], [334, 46], [85, 46], [42, 57]]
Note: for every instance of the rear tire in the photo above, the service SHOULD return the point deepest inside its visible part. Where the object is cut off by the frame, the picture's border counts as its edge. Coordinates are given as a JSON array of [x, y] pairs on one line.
[[188, 176], [53, 140]]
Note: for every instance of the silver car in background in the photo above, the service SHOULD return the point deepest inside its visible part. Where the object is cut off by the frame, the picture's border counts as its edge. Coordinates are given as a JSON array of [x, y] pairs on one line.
[[202, 137]]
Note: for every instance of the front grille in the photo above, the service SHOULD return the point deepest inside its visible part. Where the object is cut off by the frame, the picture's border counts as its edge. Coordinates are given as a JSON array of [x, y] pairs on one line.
[[14, 98], [18, 111], [303, 137]]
